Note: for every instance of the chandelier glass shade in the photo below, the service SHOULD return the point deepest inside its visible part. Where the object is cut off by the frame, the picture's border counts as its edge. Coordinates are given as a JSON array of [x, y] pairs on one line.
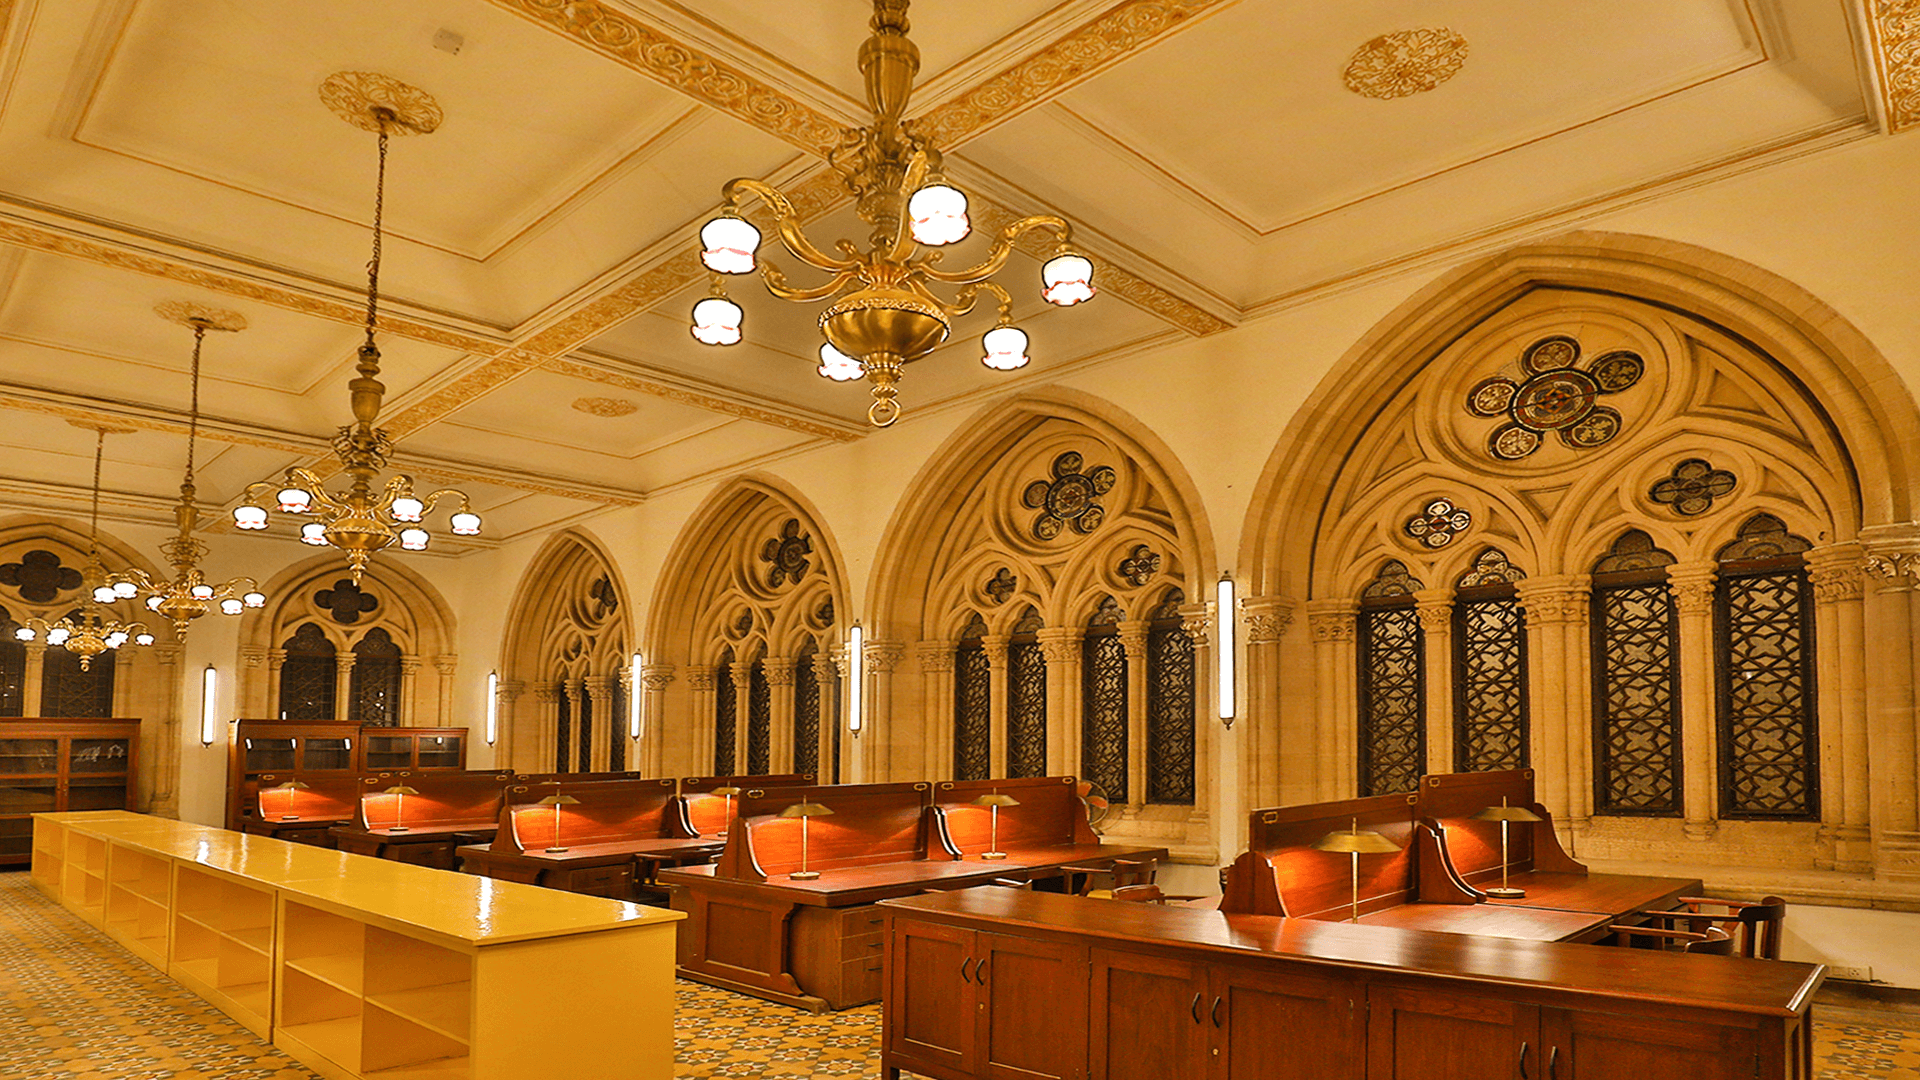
[[90, 629], [882, 312], [367, 517], [188, 595]]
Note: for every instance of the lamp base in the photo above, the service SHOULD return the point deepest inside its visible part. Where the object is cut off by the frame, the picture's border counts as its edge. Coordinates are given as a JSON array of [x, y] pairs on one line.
[[556, 850], [1499, 893], [289, 817], [804, 875], [399, 828], [992, 855]]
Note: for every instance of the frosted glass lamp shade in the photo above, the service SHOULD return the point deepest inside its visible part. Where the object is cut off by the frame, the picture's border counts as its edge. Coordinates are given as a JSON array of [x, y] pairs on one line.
[[58, 635], [23, 633], [465, 523], [294, 500], [249, 517], [1006, 348], [413, 539], [202, 592], [143, 639], [838, 366], [716, 321], [154, 602], [116, 639], [939, 214], [728, 244], [1067, 280], [231, 606], [255, 599], [103, 594], [315, 533], [125, 590], [407, 508]]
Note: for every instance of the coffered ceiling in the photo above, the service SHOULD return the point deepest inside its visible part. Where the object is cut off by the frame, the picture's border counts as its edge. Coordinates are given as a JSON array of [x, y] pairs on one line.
[[1218, 158]]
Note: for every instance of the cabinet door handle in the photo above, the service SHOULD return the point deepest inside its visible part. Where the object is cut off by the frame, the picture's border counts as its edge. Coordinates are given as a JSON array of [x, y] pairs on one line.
[[1553, 1064], [964, 961], [1195, 1008], [1215, 1012], [980, 972], [1523, 1061]]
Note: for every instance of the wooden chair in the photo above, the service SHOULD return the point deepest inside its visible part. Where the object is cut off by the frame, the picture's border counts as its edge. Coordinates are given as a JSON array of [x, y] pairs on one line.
[[1712, 941], [1759, 922], [1123, 872], [1148, 894]]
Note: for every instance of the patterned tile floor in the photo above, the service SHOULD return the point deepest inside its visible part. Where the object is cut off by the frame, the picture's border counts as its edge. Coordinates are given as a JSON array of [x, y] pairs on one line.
[[75, 1006]]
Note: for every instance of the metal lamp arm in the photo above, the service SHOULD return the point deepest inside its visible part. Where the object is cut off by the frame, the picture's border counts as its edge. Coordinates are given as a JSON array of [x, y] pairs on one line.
[[449, 493], [777, 284], [787, 221], [968, 297], [916, 175], [1002, 248]]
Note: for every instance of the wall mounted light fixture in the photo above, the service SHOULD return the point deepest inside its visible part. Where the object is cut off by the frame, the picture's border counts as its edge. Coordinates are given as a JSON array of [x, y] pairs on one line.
[[634, 700], [493, 706], [1227, 621], [856, 678], [209, 694]]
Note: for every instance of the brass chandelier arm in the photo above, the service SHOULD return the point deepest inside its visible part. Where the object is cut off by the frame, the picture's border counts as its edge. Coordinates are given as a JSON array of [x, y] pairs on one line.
[[965, 301], [1001, 250], [916, 175], [777, 284], [787, 221]]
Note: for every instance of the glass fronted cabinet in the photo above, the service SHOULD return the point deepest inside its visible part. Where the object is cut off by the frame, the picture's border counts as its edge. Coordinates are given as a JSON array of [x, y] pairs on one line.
[[265, 753], [58, 765], [416, 748]]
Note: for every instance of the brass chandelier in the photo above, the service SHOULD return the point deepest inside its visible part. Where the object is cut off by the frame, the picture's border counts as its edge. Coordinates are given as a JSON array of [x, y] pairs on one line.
[[882, 313], [364, 519], [90, 629], [188, 595]]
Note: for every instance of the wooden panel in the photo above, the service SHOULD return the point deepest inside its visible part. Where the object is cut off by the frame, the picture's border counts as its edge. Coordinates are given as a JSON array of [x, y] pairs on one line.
[[1286, 1026], [870, 824], [445, 800], [931, 1003], [707, 814], [1316, 881], [1447, 1035], [1605, 1046], [1145, 1016], [1050, 812], [1032, 990], [606, 811]]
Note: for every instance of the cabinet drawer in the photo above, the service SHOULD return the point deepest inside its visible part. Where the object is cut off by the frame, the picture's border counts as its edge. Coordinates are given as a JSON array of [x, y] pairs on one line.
[[862, 946], [614, 882], [859, 982], [866, 919]]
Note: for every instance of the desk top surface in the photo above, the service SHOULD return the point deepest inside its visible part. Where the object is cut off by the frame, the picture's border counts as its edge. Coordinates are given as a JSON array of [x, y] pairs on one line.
[[661, 846], [422, 832], [858, 884], [1488, 920], [1613, 894], [1729, 983]]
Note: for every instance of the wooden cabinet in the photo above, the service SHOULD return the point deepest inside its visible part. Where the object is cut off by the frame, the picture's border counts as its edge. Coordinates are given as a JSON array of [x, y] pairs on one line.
[[50, 766], [985, 1004], [1584, 1045], [414, 749]]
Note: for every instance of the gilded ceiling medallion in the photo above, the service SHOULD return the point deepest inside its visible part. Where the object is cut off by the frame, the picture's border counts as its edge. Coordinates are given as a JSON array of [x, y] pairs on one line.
[[358, 96], [1406, 62], [605, 406], [187, 313]]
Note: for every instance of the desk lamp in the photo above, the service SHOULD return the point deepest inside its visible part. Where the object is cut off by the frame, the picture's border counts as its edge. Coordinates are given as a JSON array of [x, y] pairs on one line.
[[803, 811], [1356, 842], [557, 800], [1503, 814], [729, 791], [995, 801], [400, 793], [286, 807]]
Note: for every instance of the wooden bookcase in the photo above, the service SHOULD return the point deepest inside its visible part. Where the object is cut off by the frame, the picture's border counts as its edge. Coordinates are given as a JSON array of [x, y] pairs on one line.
[[414, 749], [52, 766], [324, 754]]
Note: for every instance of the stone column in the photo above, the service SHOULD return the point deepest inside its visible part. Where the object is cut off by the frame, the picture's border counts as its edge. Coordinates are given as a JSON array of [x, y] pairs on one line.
[[1133, 642], [876, 760], [742, 705], [126, 661], [1691, 584], [276, 659], [576, 691], [447, 666], [1557, 676], [34, 678], [1893, 557], [1336, 666], [1272, 768], [842, 661], [995, 647], [1060, 645], [649, 753], [599, 689], [514, 744], [546, 721], [936, 705], [1840, 655], [343, 686], [780, 716], [251, 694], [700, 679], [1197, 621], [409, 681], [165, 750], [1434, 607]]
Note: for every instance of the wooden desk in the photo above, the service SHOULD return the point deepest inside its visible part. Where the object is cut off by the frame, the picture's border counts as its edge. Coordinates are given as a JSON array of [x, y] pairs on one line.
[[1494, 920], [315, 832], [816, 943], [451, 809], [1009, 983], [614, 836]]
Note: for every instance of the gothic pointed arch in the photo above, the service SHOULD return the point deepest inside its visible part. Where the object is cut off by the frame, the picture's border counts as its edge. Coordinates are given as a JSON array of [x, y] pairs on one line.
[[564, 659]]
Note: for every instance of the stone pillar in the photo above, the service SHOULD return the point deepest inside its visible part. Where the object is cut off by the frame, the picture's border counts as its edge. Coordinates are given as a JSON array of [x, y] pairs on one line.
[[447, 666], [1840, 655], [936, 705], [995, 647], [1691, 584], [126, 661], [700, 679], [1336, 668], [1893, 556], [164, 753], [1060, 645], [343, 686], [1197, 621], [780, 717], [1133, 642], [576, 691], [34, 678], [409, 683], [1434, 607], [649, 753], [1557, 610], [742, 704], [251, 694], [599, 689], [842, 661], [876, 760], [276, 659], [514, 745], [1270, 769], [546, 721]]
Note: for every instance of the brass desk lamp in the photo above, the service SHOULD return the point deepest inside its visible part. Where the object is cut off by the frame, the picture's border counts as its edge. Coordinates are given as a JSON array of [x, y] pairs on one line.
[[1503, 814], [1356, 842], [994, 802]]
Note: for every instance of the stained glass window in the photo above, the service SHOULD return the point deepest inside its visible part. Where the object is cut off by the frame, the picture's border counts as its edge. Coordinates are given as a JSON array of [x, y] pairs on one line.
[[307, 676], [65, 690], [1489, 668], [374, 682], [759, 724], [972, 706], [1170, 705], [724, 716], [1103, 697], [1392, 650], [1026, 699], [1636, 708], [1763, 626], [806, 712], [13, 667]]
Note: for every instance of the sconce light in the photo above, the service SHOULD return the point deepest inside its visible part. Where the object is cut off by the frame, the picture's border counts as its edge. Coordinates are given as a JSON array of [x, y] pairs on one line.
[[857, 677], [1228, 622], [209, 695], [633, 697], [493, 706]]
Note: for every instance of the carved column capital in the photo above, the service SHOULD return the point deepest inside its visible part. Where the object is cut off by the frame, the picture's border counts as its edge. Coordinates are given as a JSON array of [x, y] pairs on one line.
[[1133, 639], [546, 693], [599, 688], [1561, 598], [995, 646], [1691, 584], [169, 654], [779, 670], [1893, 553], [934, 655], [700, 676], [343, 662], [409, 665], [253, 656], [1836, 572], [742, 675], [883, 656], [825, 667], [1197, 621], [447, 665], [510, 689], [1332, 619], [1060, 644], [1268, 617], [276, 659], [1435, 609], [655, 677]]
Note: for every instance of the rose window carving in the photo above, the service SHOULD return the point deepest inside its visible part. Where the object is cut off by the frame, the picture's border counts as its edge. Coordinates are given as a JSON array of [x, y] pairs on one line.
[[1002, 585], [1068, 500], [1556, 396], [1692, 487], [1439, 523], [39, 576], [786, 554], [346, 602], [1140, 565]]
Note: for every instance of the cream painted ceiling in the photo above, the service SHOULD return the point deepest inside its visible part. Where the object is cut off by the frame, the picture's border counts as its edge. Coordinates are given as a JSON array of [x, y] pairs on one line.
[[540, 262]]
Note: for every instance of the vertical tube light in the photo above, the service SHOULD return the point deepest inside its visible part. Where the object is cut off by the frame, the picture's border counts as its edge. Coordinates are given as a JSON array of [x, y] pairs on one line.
[[1227, 623], [493, 706], [209, 695], [633, 697], [856, 678]]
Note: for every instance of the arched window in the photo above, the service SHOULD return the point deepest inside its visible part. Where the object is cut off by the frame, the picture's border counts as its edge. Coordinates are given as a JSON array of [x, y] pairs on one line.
[[375, 680], [759, 720], [1104, 716], [1027, 698], [65, 690], [1763, 627], [617, 701], [13, 667], [806, 710], [1489, 667], [1170, 705], [972, 705], [563, 726], [583, 723], [308, 679], [725, 718], [1393, 689], [1636, 699]]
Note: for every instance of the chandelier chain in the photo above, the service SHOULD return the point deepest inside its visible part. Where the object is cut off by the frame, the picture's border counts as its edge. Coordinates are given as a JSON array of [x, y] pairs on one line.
[[193, 399], [93, 527], [379, 211]]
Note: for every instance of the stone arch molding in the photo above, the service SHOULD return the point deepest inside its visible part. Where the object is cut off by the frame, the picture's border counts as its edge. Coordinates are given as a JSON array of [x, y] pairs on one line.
[[1730, 366], [407, 606], [569, 632], [756, 575], [1003, 519]]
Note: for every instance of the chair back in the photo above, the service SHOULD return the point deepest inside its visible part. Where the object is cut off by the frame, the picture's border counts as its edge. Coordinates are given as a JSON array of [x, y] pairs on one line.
[[1140, 894], [1761, 925]]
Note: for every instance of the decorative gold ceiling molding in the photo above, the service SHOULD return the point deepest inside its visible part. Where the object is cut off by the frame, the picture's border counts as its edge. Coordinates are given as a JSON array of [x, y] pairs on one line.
[[608, 408], [1121, 31], [1405, 62], [1894, 26], [620, 36], [580, 370]]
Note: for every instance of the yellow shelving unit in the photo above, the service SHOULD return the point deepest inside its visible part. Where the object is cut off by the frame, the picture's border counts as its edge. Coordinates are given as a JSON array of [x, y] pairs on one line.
[[368, 968]]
